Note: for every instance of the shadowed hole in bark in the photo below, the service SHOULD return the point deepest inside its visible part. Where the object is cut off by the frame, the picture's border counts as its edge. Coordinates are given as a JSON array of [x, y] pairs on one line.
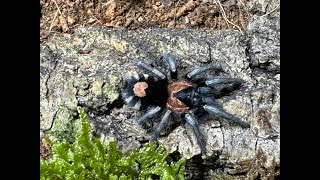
[[195, 169], [258, 177], [174, 157], [118, 103]]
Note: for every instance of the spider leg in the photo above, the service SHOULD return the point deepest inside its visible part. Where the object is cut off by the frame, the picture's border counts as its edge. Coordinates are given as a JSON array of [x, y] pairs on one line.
[[171, 67], [220, 113], [206, 91], [199, 70], [133, 101], [146, 67], [161, 126], [152, 112], [192, 122], [223, 86], [210, 101], [215, 81]]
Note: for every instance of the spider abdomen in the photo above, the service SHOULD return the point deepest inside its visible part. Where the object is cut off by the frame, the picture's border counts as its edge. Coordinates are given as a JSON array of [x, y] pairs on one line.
[[143, 90]]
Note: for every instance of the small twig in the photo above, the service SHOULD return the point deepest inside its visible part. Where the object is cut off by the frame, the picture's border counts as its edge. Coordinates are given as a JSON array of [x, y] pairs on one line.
[[106, 4], [76, 25], [223, 12], [96, 19], [54, 18], [240, 12], [271, 11], [57, 6], [225, 17], [244, 5], [175, 14], [55, 15]]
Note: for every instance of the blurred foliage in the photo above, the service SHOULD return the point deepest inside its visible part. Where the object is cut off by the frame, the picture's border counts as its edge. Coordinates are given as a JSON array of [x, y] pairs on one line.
[[88, 158]]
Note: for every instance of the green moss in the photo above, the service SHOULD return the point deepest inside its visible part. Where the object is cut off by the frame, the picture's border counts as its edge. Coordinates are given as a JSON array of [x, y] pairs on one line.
[[110, 88], [97, 87], [64, 127], [87, 158]]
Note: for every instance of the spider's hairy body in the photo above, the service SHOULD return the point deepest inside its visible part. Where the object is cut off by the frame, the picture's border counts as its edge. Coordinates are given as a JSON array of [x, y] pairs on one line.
[[174, 103], [165, 100]]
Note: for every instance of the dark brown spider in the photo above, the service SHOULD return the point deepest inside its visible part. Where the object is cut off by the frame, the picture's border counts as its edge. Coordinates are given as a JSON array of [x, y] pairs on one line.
[[165, 100]]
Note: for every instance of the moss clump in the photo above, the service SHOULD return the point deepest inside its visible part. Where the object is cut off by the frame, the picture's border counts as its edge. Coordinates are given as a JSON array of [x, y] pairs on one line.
[[65, 126], [110, 88], [87, 158]]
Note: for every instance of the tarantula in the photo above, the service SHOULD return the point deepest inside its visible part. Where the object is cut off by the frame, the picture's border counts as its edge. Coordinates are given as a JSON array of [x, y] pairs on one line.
[[166, 101]]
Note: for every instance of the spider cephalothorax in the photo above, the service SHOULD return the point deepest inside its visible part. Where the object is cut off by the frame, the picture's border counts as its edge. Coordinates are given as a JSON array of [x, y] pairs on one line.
[[166, 101]]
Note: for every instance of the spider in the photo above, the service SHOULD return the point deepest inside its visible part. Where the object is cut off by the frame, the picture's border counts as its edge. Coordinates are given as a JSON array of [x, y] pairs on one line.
[[166, 101]]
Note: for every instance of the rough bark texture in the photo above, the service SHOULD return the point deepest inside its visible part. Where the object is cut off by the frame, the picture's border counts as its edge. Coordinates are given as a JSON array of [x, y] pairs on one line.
[[89, 68]]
